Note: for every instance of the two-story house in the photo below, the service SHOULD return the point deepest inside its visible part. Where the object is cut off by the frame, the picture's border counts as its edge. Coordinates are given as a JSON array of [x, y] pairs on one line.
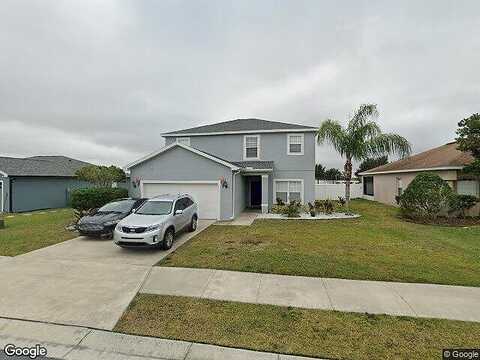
[[230, 166]]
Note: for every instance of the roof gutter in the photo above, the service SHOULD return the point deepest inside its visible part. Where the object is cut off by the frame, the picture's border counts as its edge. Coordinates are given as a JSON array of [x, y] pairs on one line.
[[239, 132], [247, 170], [366, 173]]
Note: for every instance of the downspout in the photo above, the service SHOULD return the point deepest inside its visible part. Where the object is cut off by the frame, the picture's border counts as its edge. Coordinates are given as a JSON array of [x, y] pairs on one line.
[[10, 195], [234, 174]]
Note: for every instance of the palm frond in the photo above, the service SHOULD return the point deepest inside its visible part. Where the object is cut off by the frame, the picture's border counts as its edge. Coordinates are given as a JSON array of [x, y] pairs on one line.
[[384, 144], [367, 130], [359, 136], [361, 116], [331, 131]]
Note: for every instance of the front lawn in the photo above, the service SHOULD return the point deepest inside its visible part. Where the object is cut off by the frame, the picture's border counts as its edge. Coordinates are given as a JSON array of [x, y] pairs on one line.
[[305, 332], [376, 246], [27, 232]]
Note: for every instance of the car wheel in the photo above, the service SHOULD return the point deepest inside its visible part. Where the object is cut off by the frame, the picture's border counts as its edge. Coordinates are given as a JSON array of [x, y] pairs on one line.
[[168, 239], [193, 223]]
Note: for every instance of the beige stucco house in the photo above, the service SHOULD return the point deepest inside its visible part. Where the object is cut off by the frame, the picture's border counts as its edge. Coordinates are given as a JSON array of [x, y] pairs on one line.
[[385, 182]]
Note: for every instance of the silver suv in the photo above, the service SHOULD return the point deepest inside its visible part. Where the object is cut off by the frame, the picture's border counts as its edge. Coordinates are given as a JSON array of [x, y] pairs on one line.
[[156, 222]]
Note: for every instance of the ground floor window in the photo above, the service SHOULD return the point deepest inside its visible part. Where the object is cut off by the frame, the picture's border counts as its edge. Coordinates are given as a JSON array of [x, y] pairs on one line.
[[288, 190], [468, 187], [399, 187], [368, 185]]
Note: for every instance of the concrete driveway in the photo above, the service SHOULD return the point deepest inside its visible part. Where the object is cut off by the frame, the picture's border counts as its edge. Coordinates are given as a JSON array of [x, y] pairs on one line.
[[105, 252], [83, 282]]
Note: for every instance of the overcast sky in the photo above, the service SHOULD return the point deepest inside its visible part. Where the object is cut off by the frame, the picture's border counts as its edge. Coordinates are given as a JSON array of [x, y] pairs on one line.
[[100, 80]]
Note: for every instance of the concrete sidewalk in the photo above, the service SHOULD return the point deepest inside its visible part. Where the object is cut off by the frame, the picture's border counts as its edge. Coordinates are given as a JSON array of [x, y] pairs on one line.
[[79, 343], [376, 297]]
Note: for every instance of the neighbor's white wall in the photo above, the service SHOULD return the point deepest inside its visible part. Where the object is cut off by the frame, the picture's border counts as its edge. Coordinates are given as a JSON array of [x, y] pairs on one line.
[[333, 191]]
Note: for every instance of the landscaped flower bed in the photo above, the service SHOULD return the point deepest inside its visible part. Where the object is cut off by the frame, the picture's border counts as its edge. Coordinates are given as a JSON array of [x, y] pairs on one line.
[[305, 216], [319, 210]]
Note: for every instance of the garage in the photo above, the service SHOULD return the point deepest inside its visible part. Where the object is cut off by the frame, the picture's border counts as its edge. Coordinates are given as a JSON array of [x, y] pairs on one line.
[[205, 193]]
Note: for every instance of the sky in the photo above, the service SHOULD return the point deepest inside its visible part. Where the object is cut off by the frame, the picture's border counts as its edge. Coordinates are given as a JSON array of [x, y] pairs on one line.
[[101, 80]]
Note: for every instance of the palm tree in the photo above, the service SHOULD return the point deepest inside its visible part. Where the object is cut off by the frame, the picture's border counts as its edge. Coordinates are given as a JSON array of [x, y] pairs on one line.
[[361, 139]]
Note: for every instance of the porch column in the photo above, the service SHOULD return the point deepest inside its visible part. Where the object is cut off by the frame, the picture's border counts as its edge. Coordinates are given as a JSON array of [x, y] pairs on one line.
[[264, 194]]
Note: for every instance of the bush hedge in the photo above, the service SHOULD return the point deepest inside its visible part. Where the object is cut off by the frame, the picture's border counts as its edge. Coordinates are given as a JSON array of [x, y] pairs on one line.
[[426, 197], [459, 204], [292, 209], [96, 197]]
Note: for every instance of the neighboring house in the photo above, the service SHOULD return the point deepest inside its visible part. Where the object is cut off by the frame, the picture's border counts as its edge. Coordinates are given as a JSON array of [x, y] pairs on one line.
[[230, 166], [38, 182], [385, 182]]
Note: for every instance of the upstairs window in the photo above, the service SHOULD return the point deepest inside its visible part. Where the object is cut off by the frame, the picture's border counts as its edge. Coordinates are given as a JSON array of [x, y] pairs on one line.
[[183, 140], [251, 147], [295, 144]]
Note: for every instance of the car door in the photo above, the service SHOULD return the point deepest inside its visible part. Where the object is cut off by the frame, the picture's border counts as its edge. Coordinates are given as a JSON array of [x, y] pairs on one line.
[[188, 210], [179, 219]]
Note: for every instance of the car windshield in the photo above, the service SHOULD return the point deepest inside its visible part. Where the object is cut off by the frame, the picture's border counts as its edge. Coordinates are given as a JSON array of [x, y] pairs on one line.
[[155, 208], [121, 206]]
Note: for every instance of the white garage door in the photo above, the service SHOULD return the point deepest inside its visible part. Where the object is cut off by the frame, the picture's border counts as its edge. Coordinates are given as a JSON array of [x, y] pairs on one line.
[[205, 194]]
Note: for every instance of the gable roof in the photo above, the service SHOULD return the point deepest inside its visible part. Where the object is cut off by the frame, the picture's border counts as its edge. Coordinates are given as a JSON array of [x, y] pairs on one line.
[[445, 157], [241, 126], [189, 148], [41, 166], [234, 165]]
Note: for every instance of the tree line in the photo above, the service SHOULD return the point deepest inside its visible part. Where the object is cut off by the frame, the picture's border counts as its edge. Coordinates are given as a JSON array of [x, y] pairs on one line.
[[322, 173]]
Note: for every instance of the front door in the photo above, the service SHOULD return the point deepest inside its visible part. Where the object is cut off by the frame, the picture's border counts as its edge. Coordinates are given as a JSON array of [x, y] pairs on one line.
[[256, 193]]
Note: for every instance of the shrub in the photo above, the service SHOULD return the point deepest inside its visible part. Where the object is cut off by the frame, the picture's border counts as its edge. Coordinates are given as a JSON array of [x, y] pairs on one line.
[[311, 209], [341, 201], [92, 198], [461, 203], [318, 204], [328, 207], [280, 202], [425, 197], [278, 208], [102, 176], [325, 206], [292, 209]]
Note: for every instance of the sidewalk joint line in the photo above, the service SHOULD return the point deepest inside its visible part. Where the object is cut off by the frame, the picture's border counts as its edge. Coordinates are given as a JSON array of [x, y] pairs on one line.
[[401, 297], [204, 290], [147, 276], [78, 344], [257, 295], [188, 350], [328, 295]]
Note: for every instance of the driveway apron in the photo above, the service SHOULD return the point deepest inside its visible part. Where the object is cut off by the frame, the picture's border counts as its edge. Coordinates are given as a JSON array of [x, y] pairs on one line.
[[83, 282]]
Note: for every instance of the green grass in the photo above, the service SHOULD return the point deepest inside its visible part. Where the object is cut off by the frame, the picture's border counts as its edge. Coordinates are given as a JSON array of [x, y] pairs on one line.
[[377, 246], [24, 233], [305, 332]]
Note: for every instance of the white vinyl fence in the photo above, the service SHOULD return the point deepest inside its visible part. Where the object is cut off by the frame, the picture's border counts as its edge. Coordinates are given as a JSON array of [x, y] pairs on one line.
[[333, 191]]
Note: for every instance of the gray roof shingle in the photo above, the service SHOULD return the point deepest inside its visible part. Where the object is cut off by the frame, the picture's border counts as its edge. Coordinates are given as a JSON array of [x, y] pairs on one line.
[[240, 125], [254, 164], [41, 166]]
